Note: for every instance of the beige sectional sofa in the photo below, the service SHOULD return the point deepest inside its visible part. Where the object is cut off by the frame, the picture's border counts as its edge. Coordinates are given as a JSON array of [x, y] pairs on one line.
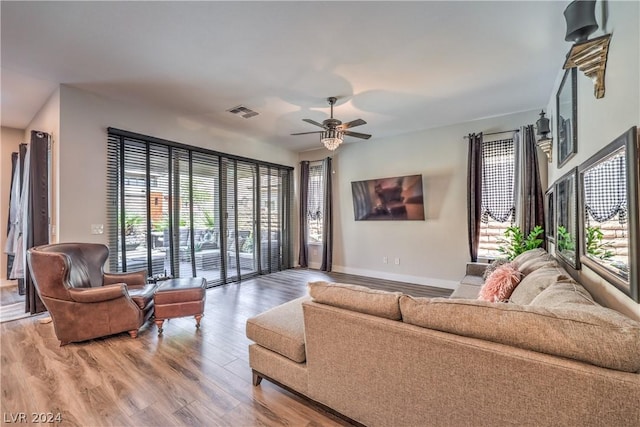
[[550, 356]]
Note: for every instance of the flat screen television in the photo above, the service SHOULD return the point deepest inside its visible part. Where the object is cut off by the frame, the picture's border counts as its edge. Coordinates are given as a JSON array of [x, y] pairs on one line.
[[398, 198]]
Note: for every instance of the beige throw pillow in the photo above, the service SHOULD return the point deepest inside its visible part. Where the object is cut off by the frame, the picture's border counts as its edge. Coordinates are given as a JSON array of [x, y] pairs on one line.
[[529, 255], [562, 293], [537, 281], [531, 265], [357, 298]]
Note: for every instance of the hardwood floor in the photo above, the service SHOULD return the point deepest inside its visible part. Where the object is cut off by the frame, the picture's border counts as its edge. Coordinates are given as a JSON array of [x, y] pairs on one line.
[[9, 294], [186, 377], [12, 304]]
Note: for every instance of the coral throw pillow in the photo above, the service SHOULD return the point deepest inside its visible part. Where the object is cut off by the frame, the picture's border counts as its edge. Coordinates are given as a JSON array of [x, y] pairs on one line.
[[501, 283]]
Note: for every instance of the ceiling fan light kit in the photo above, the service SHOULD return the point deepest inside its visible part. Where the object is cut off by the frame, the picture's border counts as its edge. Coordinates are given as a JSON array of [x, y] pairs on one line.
[[332, 139], [334, 130]]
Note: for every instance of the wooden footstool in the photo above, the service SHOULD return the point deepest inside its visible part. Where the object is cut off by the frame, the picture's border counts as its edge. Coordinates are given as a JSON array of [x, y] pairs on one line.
[[179, 298]]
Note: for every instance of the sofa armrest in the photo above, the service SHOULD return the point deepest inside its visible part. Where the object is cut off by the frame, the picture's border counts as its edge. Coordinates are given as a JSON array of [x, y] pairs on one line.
[[476, 268], [104, 293]]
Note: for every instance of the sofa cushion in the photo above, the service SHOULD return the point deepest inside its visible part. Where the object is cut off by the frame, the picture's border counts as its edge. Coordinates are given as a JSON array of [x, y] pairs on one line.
[[562, 293], [530, 254], [537, 281], [501, 283], [466, 290], [357, 298], [281, 329], [528, 266], [591, 334]]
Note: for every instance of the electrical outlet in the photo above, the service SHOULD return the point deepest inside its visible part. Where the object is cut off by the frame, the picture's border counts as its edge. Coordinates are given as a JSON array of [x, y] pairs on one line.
[[97, 228], [397, 260], [385, 260]]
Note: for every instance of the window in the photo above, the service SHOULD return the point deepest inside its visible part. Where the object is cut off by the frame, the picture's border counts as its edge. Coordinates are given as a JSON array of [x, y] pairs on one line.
[[498, 194], [181, 211], [315, 202]]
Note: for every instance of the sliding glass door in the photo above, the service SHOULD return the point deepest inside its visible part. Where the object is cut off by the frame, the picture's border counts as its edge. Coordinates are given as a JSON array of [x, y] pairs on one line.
[[178, 211], [206, 217], [240, 209]]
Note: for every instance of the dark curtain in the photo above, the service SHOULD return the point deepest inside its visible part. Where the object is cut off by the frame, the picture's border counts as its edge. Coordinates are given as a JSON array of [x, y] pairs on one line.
[[533, 206], [14, 165], [37, 211], [474, 193], [327, 216], [22, 155], [303, 257]]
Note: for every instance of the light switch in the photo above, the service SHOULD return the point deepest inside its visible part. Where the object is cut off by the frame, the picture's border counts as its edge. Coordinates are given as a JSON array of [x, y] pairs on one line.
[[97, 228]]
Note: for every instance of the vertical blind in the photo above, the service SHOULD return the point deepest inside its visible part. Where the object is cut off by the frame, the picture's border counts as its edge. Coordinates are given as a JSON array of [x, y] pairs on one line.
[[181, 211]]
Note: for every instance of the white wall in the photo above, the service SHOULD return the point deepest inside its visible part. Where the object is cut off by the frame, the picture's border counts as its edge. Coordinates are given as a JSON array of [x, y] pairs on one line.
[[82, 152], [10, 140], [434, 251], [600, 121]]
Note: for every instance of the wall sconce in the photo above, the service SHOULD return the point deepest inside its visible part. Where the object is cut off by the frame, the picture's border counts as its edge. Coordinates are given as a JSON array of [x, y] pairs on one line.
[[590, 56], [544, 143]]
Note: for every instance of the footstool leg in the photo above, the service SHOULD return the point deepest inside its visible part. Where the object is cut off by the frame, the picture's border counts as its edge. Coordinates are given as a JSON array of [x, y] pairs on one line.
[[198, 317], [159, 323]]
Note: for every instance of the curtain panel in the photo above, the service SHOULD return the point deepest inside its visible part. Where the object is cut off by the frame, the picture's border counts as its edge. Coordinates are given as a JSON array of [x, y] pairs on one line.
[[303, 256], [327, 214], [37, 214], [474, 193], [533, 195], [14, 200], [498, 171], [604, 201]]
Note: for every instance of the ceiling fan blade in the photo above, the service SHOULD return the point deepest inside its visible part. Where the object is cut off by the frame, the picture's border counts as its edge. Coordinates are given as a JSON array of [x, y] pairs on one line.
[[357, 134], [306, 133], [313, 122], [353, 123]]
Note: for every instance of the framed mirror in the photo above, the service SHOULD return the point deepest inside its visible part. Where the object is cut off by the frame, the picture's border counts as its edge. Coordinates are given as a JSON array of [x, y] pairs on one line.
[[566, 222], [567, 117], [609, 206], [550, 219]]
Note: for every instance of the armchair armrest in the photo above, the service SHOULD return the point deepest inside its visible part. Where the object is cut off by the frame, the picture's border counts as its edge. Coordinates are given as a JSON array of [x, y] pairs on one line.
[[131, 278], [104, 293]]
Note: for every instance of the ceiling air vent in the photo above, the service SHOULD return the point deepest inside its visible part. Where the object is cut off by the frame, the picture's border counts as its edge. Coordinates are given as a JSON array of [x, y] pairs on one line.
[[243, 111]]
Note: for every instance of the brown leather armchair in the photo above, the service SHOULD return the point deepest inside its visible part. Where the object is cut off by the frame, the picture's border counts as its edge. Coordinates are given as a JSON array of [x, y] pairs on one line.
[[84, 301]]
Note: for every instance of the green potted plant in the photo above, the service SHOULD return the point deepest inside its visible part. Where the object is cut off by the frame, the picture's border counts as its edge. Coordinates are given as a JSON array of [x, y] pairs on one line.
[[595, 245], [515, 242], [565, 240]]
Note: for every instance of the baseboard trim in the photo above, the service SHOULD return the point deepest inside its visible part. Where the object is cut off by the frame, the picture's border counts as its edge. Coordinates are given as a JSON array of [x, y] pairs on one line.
[[5, 283], [419, 280], [315, 265]]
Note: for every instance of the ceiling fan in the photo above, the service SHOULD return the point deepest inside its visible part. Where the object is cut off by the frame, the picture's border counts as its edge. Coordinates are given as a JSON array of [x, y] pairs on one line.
[[334, 129]]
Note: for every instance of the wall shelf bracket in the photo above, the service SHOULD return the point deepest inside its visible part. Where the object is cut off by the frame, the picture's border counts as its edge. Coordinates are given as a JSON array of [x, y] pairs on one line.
[[591, 58]]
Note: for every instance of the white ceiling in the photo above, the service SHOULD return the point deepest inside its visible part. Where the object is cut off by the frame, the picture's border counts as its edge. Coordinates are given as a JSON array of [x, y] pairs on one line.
[[401, 66]]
